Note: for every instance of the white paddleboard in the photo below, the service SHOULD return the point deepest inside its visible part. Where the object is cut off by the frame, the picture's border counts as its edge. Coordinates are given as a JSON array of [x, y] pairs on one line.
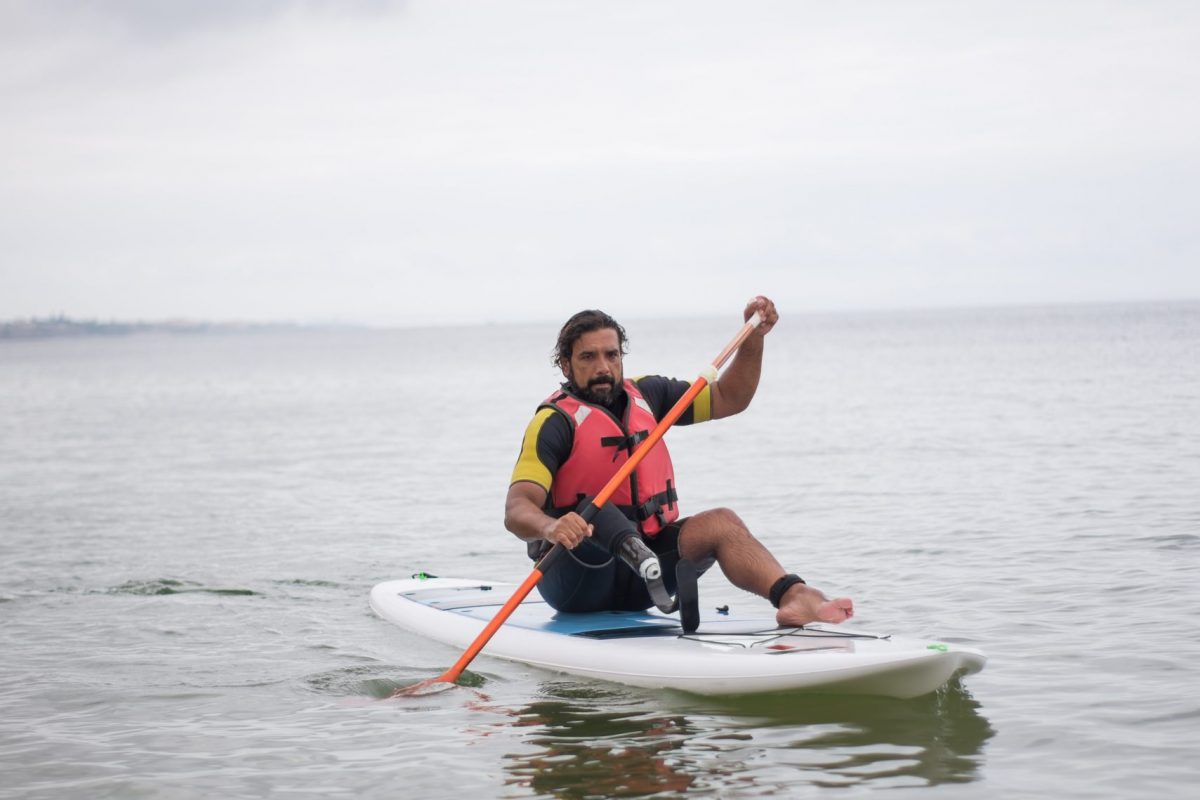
[[727, 655]]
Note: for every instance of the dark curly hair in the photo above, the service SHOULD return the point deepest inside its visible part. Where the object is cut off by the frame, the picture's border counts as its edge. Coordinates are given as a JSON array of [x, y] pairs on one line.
[[585, 322]]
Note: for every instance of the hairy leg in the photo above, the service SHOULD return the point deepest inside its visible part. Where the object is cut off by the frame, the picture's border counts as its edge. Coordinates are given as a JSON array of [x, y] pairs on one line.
[[748, 565], [721, 534]]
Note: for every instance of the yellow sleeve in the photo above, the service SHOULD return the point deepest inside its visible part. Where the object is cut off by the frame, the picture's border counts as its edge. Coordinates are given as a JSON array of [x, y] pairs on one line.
[[702, 405], [664, 393], [529, 466]]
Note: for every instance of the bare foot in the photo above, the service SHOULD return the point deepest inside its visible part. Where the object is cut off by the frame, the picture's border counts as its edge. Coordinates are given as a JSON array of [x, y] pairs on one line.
[[803, 604], [839, 609]]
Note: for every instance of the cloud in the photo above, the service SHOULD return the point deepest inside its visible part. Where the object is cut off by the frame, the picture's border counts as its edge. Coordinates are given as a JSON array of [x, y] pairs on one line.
[[353, 161], [154, 20]]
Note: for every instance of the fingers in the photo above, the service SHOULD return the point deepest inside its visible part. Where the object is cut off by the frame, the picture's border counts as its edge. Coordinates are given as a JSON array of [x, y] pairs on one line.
[[766, 312], [569, 530]]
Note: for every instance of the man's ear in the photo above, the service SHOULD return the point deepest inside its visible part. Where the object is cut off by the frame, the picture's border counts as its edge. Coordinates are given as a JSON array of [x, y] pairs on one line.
[[563, 364]]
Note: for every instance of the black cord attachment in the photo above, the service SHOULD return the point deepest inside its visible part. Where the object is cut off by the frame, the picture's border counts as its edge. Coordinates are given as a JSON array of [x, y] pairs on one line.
[[781, 586]]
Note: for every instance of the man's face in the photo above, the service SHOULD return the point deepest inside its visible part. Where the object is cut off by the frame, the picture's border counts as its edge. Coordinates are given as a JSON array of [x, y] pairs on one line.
[[595, 366]]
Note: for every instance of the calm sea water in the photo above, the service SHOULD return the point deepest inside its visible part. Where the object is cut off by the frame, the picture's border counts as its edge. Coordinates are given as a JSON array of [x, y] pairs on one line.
[[190, 524]]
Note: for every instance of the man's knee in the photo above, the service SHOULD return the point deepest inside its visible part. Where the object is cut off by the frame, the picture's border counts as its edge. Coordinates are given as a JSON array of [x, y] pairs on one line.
[[705, 532], [724, 521]]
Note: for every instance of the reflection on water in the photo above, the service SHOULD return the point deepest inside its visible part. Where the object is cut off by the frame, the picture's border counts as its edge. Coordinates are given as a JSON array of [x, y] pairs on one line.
[[934, 739], [592, 742]]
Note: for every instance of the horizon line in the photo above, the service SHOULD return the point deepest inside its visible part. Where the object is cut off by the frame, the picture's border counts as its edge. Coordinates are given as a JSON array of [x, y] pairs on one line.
[[181, 322]]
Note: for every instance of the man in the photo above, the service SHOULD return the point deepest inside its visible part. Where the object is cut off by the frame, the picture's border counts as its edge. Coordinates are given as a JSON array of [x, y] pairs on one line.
[[579, 438]]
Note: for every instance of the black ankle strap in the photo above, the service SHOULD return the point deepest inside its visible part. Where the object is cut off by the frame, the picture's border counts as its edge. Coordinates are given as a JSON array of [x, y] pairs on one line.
[[780, 587]]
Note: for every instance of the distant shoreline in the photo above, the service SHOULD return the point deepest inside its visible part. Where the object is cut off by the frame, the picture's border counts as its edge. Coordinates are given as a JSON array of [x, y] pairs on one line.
[[55, 327], [61, 326]]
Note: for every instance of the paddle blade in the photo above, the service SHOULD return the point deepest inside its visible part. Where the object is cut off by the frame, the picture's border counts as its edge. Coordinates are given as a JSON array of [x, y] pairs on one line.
[[426, 687]]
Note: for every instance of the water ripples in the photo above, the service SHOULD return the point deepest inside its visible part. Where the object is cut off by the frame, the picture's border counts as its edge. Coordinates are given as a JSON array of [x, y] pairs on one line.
[[192, 527]]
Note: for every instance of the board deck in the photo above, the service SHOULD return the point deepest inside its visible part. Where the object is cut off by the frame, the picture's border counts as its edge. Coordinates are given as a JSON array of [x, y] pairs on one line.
[[728, 654]]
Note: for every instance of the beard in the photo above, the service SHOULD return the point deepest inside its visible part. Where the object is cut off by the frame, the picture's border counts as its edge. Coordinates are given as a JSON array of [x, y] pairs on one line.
[[602, 391]]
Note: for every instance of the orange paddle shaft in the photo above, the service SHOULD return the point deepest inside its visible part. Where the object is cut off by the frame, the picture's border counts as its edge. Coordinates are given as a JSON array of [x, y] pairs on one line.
[[622, 475]]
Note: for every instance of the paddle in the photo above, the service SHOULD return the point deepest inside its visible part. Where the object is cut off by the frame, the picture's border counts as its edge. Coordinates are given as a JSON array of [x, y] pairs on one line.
[[551, 558]]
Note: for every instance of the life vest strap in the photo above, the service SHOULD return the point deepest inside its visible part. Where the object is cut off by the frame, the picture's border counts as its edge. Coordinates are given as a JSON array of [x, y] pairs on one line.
[[626, 443], [653, 507]]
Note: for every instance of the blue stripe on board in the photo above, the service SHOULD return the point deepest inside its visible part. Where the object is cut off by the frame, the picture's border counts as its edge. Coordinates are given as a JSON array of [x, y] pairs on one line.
[[483, 604]]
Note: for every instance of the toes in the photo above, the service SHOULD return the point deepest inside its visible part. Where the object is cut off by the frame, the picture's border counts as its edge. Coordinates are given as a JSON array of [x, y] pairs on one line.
[[837, 610]]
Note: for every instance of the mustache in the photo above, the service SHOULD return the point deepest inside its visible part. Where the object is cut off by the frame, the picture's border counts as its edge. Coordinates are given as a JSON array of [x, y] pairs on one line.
[[601, 381]]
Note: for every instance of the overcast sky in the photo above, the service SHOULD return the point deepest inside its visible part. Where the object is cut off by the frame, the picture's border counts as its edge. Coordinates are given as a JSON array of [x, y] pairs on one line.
[[391, 163]]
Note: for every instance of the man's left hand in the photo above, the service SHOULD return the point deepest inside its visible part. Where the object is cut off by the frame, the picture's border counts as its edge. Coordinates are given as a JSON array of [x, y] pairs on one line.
[[766, 312]]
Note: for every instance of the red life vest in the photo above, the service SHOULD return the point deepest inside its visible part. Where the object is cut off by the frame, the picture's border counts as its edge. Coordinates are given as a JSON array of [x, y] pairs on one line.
[[600, 445]]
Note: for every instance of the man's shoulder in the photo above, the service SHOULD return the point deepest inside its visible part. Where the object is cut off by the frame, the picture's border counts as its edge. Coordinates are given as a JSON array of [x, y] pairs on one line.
[[546, 445], [553, 426], [658, 383], [548, 414], [661, 392]]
